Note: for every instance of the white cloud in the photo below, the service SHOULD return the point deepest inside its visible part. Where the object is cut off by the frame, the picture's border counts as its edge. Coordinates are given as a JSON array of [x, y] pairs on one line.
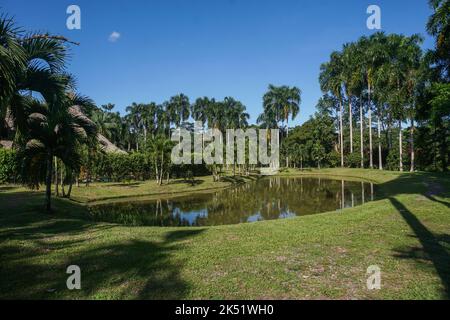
[[114, 36]]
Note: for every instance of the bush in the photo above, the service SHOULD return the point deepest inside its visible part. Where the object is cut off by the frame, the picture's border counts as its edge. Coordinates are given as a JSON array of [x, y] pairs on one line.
[[334, 159], [9, 165], [392, 160], [353, 160]]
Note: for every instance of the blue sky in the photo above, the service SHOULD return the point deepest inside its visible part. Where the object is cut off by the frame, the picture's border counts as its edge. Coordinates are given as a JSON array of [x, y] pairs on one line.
[[210, 48]]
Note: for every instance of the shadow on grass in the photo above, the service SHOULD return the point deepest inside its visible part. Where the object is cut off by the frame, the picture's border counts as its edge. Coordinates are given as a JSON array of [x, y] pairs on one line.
[[187, 182], [36, 248], [431, 249], [431, 186], [132, 269]]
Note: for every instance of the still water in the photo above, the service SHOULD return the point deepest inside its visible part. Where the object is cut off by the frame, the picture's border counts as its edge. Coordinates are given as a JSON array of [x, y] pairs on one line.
[[265, 199]]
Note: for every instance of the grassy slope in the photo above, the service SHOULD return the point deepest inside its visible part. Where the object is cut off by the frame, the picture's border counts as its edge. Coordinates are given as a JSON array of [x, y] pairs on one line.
[[320, 256]]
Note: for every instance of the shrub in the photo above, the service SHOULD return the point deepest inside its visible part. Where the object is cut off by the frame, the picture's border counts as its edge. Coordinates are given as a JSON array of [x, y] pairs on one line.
[[334, 159], [9, 165], [392, 160], [353, 160]]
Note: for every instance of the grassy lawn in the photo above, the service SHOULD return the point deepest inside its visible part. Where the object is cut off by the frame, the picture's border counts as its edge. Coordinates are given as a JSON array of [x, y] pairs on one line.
[[406, 233]]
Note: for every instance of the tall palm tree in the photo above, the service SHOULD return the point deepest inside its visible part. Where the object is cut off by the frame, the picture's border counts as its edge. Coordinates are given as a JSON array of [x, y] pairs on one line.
[[331, 79], [403, 66], [200, 108], [350, 81], [134, 111], [284, 102], [357, 84], [179, 109]]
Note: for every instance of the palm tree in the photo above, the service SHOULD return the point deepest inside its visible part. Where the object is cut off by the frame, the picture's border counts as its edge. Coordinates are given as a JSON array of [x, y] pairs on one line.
[[12, 58], [29, 63], [199, 109], [178, 109], [135, 117], [160, 148], [350, 81], [105, 123], [358, 83], [439, 26], [405, 58], [331, 81], [284, 102], [54, 128]]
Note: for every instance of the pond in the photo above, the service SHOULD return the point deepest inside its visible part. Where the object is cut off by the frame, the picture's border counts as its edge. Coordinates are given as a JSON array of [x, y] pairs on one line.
[[264, 199]]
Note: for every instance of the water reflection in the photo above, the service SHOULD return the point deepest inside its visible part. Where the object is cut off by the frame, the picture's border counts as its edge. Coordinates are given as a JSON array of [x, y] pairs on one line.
[[265, 199]]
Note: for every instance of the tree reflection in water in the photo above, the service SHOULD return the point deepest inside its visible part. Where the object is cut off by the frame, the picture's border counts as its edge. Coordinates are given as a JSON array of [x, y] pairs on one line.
[[266, 199]]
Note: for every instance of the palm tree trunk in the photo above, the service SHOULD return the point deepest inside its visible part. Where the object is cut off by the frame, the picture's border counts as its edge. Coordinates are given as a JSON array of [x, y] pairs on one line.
[[145, 134], [63, 192], [287, 136], [412, 146], [370, 135], [157, 171], [400, 145], [56, 178], [361, 130], [70, 177], [341, 134], [350, 115], [48, 182], [380, 159]]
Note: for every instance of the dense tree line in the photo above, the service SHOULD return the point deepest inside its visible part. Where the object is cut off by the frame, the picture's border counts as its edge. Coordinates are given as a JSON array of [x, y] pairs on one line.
[[390, 101]]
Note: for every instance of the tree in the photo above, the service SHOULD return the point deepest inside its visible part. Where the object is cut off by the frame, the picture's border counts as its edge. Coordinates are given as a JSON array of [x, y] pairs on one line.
[[160, 149], [331, 79], [199, 109], [281, 103], [55, 128], [29, 64], [439, 26], [440, 115], [178, 109]]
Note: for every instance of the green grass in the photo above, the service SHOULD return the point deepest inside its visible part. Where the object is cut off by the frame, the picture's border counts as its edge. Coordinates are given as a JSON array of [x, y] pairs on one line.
[[407, 234]]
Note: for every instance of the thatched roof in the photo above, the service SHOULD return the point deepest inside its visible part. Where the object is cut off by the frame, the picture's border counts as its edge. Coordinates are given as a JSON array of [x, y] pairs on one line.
[[108, 146], [7, 144]]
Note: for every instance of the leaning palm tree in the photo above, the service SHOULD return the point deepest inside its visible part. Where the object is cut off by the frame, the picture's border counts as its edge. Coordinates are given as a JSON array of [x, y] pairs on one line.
[[55, 128]]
